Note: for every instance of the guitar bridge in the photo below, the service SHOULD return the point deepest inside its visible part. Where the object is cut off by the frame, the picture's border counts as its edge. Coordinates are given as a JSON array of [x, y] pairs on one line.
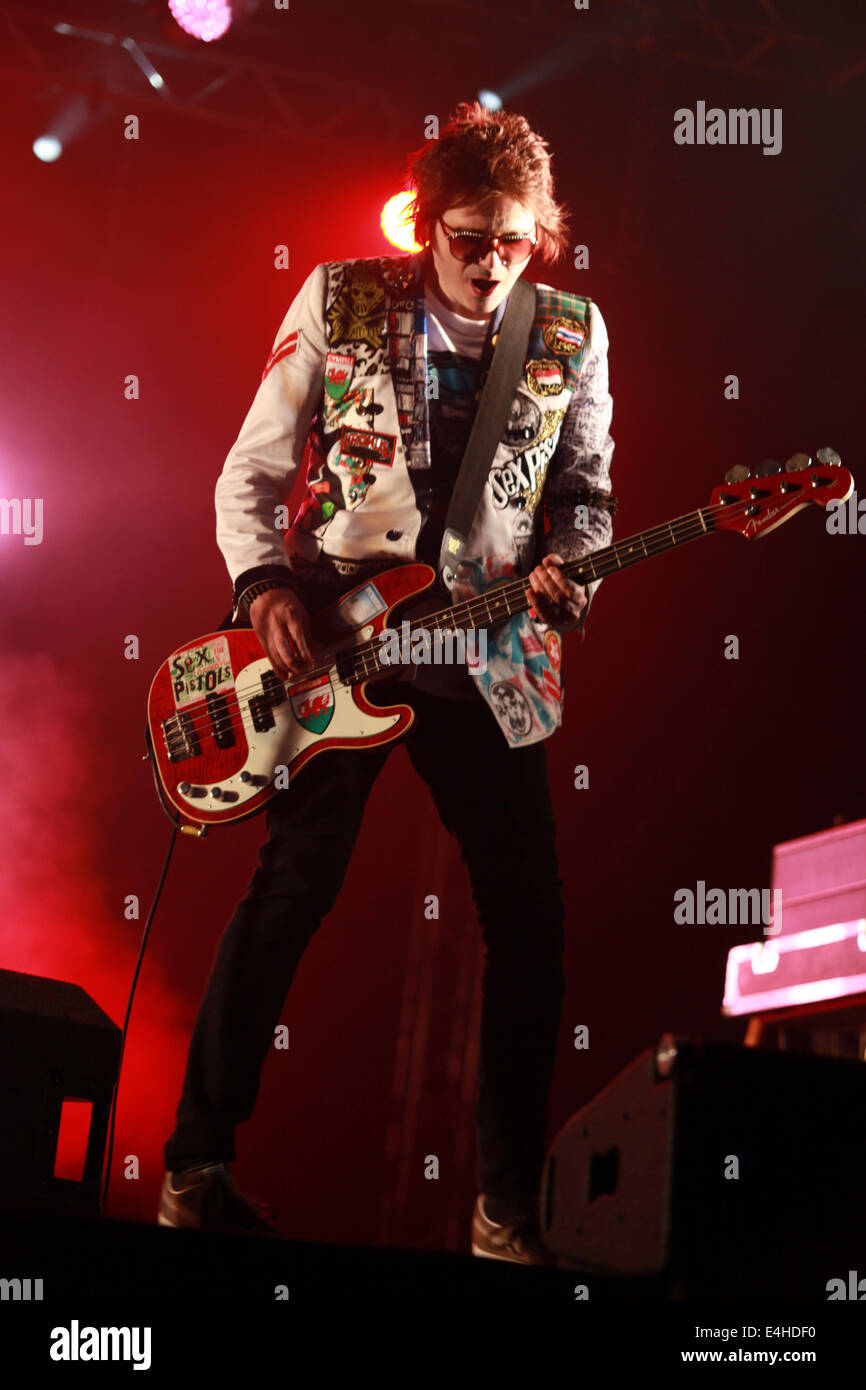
[[181, 739]]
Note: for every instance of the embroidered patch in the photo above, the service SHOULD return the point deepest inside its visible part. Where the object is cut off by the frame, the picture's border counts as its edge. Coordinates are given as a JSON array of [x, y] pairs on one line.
[[289, 344], [565, 336], [544, 378], [313, 704], [358, 313], [367, 446], [339, 367]]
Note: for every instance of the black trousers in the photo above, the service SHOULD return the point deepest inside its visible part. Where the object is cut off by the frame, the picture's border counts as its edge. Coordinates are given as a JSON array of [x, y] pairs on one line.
[[496, 801]]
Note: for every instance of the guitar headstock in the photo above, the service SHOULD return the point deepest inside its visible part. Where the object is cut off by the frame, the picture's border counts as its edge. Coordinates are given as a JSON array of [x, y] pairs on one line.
[[754, 503]]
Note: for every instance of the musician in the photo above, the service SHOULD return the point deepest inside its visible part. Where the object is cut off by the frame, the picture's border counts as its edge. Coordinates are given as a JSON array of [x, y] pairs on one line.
[[374, 379]]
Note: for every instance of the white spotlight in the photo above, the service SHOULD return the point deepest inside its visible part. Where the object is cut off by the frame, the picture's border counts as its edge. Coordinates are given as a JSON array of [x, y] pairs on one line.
[[47, 148], [490, 100]]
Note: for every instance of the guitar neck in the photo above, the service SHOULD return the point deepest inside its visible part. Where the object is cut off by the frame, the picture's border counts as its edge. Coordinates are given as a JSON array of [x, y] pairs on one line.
[[506, 600]]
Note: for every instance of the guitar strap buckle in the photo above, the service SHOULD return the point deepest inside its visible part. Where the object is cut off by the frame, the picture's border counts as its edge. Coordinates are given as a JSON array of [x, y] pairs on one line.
[[450, 555]]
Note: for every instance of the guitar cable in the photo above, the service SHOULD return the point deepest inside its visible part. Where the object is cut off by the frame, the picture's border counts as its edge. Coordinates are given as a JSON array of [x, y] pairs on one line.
[[176, 826]]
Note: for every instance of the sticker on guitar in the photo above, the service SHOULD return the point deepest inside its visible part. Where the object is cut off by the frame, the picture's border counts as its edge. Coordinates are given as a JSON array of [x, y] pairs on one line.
[[313, 704], [360, 607], [198, 671]]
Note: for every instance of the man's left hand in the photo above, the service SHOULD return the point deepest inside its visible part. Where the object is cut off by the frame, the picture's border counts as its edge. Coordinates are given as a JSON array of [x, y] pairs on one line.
[[557, 600]]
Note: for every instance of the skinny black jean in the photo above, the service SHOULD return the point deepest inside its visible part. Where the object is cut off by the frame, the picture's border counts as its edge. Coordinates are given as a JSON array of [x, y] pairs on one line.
[[496, 801]]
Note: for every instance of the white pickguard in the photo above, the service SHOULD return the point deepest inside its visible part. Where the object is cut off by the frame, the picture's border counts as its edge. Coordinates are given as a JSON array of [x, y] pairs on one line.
[[279, 746]]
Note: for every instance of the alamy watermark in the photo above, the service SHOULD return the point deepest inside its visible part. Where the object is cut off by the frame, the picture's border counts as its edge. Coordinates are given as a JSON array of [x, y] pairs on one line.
[[20, 1290], [847, 518], [419, 646], [77, 1343], [736, 907], [22, 516], [736, 126]]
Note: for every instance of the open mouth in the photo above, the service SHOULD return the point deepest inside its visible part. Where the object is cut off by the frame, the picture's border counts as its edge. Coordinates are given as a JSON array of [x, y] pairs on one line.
[[483, 287]]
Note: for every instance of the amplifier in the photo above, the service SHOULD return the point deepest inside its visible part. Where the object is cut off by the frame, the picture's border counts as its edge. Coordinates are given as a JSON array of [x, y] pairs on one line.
[[818, 949], [733, 1169], [57, 1045]]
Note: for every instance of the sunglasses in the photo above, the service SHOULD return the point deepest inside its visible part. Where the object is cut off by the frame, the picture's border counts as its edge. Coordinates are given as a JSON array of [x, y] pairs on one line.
[[468, 246]]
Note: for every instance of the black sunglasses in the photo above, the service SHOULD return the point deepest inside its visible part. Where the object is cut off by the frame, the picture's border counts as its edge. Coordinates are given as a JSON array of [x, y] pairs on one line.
[[466, 245]]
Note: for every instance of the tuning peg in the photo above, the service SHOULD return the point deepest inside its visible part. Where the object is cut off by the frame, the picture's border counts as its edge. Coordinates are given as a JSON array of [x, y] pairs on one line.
[[738, 474], [797, 462], [829, 457], [766, 467]]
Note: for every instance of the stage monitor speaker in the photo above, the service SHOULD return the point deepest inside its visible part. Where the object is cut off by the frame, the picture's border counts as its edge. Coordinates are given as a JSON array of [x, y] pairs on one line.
[[57, 1045], [735, 1168]]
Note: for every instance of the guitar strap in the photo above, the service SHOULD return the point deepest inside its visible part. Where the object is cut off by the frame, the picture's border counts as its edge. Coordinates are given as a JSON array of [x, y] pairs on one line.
[[491, 418]]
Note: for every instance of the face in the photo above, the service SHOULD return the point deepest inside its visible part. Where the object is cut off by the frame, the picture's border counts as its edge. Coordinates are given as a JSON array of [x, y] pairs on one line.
[[476, 289]]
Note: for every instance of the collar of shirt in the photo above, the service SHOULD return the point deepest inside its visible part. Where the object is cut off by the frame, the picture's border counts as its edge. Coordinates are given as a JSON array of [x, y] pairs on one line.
[[455, 332]]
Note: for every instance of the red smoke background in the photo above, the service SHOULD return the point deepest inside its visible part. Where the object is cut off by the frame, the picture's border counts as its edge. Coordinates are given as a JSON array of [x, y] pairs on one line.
[[156, 258]]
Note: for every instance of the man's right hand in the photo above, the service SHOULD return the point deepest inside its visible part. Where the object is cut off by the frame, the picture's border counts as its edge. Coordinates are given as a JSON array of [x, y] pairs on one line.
[[282, 625]]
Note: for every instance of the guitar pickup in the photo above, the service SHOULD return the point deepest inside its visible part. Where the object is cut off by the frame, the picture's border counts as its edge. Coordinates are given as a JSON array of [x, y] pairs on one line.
[[221, 722], [181, 739], [262, 706]]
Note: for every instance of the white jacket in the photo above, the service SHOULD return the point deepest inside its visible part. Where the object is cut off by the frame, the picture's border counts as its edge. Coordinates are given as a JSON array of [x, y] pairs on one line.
[[347, 381]]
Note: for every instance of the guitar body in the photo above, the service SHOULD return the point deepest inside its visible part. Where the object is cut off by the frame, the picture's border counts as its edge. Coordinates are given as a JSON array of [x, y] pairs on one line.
[[221, 725]]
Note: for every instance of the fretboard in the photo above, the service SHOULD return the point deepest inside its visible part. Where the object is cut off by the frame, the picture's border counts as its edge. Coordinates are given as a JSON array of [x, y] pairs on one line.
[[515, 596], [511, 597]]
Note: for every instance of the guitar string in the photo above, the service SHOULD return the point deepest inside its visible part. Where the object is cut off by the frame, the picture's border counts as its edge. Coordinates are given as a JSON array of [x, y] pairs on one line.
[[227, 719], [499, 595]]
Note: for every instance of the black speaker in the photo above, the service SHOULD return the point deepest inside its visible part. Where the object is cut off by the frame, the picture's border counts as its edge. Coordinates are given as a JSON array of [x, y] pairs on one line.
[[57, 1045], [736, 1169]]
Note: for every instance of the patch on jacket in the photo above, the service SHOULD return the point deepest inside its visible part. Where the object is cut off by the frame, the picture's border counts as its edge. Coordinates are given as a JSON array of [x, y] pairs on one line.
[[565, 337], [544, 378], [285, 348], [357, 312], [559, 337], [524, 424]]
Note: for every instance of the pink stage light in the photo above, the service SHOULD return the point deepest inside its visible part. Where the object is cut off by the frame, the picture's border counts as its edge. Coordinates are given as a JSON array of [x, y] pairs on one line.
[[396, 226], [203, 19]]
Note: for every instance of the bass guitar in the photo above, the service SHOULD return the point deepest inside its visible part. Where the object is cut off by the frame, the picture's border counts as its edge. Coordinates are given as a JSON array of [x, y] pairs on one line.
[[224, 734]]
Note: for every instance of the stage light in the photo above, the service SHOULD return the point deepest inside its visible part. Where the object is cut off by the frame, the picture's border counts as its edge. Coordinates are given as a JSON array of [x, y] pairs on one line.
[[490, 100], [203, 19], [395, 222], [47, 148], [140, 58]]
